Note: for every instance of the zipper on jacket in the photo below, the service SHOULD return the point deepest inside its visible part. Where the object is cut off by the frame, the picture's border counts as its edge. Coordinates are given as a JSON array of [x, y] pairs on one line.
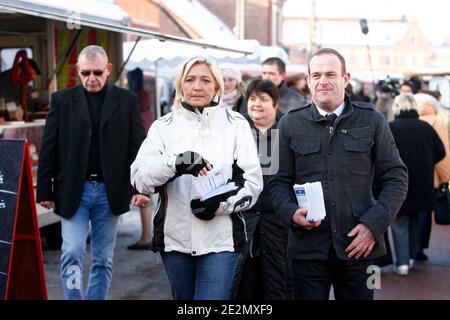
[[239, 214], [349, 131], [251, 248]]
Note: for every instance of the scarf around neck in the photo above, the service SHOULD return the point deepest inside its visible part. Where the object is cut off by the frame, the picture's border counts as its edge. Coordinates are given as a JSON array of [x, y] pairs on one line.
[[229, 99]]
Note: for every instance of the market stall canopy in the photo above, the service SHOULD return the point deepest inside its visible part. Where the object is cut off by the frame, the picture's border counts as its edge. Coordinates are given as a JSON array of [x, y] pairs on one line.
[[149, 54], [102, 15]]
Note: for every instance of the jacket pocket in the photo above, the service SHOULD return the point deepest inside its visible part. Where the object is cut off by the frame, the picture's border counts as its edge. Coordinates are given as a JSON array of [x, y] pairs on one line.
[[305, 147], [355, 212], [358, 145], [358, 132], [351, 219], [309, 161], [357, 154]]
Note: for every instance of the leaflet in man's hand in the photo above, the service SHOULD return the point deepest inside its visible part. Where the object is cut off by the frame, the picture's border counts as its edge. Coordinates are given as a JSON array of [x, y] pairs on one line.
[[211, 185], [310, 196]]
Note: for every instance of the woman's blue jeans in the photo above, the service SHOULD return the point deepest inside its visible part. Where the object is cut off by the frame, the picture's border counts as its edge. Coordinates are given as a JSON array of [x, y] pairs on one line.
[[94, 206], [211, 276]]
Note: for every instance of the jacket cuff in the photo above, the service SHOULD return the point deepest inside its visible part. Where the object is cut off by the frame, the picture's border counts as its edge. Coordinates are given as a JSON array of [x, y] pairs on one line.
[[225, 208], [298, 230], [171, 163], [377, 228], [287, 211]]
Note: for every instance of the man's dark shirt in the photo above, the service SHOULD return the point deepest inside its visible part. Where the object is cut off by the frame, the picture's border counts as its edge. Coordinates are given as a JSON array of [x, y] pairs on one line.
[[95, 104]]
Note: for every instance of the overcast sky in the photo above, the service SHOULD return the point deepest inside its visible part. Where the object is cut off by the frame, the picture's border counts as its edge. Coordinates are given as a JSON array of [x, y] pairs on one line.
[[433, 15]]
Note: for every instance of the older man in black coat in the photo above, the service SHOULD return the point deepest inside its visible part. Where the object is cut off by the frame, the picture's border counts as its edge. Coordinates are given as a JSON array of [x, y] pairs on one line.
[[92, 135]]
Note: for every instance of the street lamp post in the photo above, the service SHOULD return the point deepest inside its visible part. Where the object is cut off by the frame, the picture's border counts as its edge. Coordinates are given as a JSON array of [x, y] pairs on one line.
[[365, 31]]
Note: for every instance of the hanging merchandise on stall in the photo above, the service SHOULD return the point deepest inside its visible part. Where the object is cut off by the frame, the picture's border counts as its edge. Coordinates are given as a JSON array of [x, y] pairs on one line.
[[21, 264], [22, 75], [19, 97], [14, 88]]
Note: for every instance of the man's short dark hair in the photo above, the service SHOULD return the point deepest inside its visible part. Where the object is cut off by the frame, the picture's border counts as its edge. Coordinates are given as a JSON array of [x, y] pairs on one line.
[[408, 84], [264, 86], [276, 61], [334, 53]]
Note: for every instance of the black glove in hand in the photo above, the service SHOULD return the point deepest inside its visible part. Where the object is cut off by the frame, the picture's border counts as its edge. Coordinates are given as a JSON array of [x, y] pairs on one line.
[[205, 210], [190, 162]]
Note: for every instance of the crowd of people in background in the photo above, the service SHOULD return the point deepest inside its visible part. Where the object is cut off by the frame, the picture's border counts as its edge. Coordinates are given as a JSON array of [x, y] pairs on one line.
[[267, 270], [253, 241], [404, 103], [396, 100]]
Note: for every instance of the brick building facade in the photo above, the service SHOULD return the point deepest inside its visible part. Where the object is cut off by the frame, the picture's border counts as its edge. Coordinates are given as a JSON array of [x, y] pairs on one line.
[[258, 17]]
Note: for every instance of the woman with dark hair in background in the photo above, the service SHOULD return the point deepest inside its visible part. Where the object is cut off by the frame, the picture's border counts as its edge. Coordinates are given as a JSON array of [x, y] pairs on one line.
[[267, 270]]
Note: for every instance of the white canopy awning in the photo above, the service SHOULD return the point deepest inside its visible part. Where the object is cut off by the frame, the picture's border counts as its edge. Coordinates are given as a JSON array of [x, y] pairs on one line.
[[148, 53], [101, 15]]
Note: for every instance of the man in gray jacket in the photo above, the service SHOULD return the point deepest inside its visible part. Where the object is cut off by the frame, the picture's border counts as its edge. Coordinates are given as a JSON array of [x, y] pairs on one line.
[[345, 146]]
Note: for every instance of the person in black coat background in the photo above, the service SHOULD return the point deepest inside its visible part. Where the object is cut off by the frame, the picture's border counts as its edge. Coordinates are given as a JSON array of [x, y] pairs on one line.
[[92, 135], [267, 269], [274, 69], [420, 148]]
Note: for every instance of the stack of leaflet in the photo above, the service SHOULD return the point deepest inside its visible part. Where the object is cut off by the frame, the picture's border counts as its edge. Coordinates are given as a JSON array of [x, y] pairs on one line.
[[211, 185], [310, 196], [230, 186]]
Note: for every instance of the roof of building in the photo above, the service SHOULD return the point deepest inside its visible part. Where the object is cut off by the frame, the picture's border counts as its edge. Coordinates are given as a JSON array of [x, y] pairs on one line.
[[197, 20]]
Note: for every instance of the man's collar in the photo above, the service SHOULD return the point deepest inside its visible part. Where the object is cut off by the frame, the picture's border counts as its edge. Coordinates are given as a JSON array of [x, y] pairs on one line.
[[283, 88], [338, 111], [99, 93]]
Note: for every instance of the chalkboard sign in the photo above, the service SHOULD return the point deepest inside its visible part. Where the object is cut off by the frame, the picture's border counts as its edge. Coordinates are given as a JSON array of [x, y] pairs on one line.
[[21, 263]]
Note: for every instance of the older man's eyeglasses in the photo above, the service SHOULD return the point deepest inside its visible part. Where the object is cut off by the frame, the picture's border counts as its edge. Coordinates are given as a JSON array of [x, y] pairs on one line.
[[87, 73]]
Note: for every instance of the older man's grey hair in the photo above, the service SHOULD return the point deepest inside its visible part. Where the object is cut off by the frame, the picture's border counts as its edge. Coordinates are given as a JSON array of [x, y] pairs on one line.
[[404, 102], [91, 51], [423, 99]]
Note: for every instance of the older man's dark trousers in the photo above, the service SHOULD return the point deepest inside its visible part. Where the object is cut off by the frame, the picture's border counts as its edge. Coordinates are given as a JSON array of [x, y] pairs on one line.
[[313, 278]]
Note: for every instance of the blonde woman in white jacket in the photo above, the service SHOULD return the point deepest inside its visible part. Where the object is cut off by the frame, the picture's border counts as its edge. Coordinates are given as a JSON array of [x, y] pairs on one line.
[[201, 242]]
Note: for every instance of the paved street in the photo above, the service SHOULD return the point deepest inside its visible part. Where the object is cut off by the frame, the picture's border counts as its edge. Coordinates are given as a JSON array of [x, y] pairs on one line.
[[139, 275], [428, 280]]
